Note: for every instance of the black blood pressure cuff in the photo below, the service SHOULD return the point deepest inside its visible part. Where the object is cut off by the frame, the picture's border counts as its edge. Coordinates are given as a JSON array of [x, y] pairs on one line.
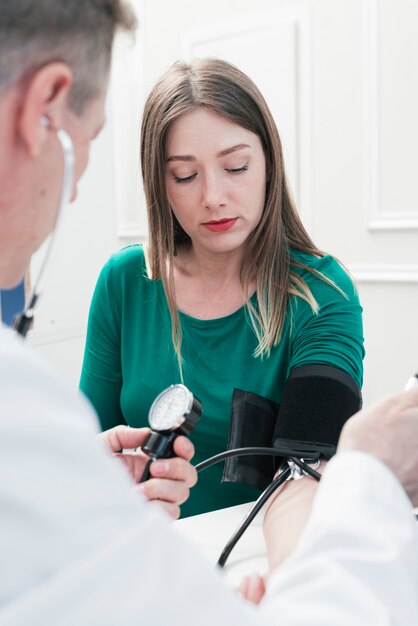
[[253, 419], [317, 400]]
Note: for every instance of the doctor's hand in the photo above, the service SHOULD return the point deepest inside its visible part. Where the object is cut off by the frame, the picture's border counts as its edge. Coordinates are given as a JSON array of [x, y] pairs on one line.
[[171, 479], [389, 431]]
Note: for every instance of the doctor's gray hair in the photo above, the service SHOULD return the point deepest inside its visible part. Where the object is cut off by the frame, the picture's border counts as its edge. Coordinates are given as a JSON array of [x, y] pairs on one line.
[[79, 33]]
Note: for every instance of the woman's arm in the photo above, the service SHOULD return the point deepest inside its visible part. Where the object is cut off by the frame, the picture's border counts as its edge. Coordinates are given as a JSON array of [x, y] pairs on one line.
[[101, 375], [286, 516], [322, 391]]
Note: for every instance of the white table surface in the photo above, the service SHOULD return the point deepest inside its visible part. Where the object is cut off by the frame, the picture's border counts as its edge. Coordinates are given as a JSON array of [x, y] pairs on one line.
[[211, 531]]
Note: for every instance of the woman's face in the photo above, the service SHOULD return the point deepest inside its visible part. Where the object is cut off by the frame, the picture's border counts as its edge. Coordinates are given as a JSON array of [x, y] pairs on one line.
[[215, 179]]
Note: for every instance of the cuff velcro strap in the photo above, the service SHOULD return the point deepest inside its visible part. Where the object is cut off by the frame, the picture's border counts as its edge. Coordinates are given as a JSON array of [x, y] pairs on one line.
[[317, 401]]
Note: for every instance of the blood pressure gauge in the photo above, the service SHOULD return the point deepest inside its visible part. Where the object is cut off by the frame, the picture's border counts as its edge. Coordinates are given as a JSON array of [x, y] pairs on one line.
[[175, 411], [175, 408]]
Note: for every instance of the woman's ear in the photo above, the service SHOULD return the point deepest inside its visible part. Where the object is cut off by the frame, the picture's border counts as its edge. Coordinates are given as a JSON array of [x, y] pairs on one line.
[[44, 103]]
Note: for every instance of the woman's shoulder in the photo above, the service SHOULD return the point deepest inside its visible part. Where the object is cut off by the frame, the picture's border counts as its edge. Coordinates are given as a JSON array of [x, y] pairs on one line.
[[127, 261], [129, 255], [313, 269], [124, 275]]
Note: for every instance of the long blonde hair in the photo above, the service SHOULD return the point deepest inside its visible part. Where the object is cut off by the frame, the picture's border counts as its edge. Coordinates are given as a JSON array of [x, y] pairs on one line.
[[221, 87]]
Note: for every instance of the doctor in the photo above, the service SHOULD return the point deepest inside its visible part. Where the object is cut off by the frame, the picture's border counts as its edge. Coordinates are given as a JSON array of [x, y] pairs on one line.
[[31, 169], [77, 545]]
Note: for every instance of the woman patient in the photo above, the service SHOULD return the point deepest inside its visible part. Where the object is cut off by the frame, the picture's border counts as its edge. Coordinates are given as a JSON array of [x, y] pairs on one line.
[[229, 296]]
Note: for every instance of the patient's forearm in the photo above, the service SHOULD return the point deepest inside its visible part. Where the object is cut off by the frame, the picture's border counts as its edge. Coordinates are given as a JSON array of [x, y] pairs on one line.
[[286, 517]]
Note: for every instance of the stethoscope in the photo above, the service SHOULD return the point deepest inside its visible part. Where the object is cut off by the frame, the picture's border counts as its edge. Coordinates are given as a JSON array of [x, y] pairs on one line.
[[175, 412], [23, 321]]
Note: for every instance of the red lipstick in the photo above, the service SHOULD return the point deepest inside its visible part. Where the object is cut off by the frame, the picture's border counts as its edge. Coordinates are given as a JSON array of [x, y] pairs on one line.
[[217, 226]]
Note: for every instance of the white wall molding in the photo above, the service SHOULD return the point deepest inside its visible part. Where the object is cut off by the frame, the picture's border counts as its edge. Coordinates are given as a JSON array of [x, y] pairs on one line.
[[394, 221], [126, 231], [384, 273], [298, 18], [377, 219], [131, 237]]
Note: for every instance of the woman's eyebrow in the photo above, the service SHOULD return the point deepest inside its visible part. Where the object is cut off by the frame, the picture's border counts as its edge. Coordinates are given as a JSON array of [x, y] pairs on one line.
[[181, 157], [189, 157], [239, 146]]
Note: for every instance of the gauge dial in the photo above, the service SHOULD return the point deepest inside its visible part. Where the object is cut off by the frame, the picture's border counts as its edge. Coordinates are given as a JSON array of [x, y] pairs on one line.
[[171, 408]]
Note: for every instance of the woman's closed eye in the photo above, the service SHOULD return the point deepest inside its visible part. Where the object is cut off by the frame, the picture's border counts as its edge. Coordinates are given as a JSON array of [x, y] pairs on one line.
[[184, 179], [237, 170], [191, 177]]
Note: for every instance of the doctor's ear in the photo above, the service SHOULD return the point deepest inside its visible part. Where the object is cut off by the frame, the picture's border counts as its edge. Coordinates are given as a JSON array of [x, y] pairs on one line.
[[44, 104]]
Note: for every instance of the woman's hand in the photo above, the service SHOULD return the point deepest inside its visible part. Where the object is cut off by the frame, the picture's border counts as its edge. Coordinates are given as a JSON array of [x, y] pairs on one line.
[[171, 479], [252, 588]]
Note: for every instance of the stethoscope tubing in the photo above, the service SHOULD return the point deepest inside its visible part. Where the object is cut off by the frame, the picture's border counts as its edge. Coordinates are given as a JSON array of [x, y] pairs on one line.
[[23, 320]]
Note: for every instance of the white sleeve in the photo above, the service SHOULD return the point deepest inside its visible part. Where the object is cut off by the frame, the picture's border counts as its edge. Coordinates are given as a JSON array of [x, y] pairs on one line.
[[357, 561], [78, 546]]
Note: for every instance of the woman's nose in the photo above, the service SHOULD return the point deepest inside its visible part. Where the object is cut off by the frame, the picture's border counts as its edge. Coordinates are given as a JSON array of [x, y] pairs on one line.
[[213, 192]]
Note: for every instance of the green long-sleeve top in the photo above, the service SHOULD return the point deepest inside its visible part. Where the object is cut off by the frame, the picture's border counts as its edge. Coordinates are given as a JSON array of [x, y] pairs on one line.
[[129, 357]]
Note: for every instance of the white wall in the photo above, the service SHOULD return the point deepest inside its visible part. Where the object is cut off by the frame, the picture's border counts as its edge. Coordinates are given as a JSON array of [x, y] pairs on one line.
[[341, 79]]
